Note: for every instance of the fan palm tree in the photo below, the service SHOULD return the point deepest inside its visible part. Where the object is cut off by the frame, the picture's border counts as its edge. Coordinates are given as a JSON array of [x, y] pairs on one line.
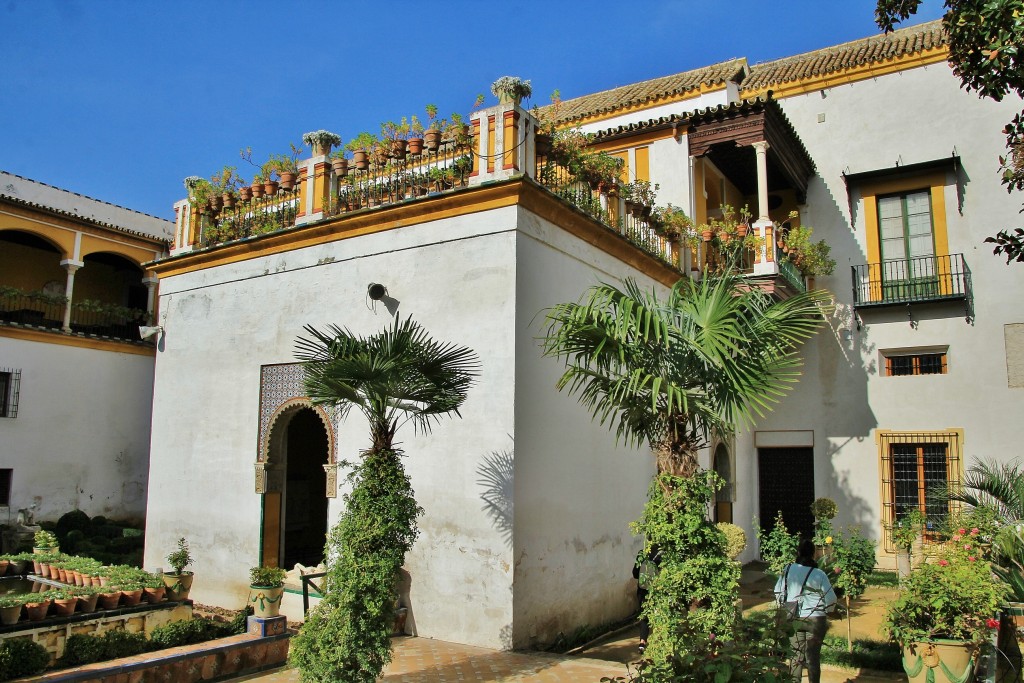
[[715, 354], [988, 483], [397, 376]]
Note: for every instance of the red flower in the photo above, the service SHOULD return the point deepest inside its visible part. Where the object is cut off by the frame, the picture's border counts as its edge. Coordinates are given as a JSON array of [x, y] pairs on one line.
[[961, 531], [837, 570], [971, 558], [974, 531], [992, 623], [967, 546], [943, 563]]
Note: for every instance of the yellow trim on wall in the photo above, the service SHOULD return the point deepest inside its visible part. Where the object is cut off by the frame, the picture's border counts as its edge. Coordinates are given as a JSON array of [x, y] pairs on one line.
[[641, 138], [642, 162], [936, 183], [346, 226], [72, 340], [850, 75]]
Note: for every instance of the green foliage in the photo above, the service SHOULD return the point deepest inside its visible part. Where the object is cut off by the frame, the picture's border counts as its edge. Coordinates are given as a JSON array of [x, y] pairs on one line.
[[666, 374], [21, 657], [196, 630], [696, 585], [1009, 559], [756, 654], [984, 51], [810, 258], [84, 648], [511, 87], [886, 579], [866, 654], [824, 508], [778, 546], [346, 638], [45, 539], [906, 530], [180, 558], [76, 520], [852, 561], [735, 539], [951, 596], [265, 577]]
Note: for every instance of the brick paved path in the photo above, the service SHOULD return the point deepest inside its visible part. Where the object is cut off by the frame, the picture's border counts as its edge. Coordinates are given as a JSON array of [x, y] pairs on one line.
[[422, 660]]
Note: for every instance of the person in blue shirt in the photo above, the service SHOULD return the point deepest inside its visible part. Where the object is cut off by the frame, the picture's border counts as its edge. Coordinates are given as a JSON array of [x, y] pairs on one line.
[[804, 583]]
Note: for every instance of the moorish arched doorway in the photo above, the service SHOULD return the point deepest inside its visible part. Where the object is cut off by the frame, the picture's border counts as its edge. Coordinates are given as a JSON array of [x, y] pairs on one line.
[[723, 497], [295, 502]]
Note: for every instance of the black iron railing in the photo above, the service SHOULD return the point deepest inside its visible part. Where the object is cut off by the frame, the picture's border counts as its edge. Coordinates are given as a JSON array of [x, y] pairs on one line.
[[307, 581], [605, 208], [44, 311], [402, 176], [256, 216], [906, 281]]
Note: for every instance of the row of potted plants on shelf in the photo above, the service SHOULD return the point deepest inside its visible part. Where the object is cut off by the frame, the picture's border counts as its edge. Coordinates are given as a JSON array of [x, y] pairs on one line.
[[85, 305]]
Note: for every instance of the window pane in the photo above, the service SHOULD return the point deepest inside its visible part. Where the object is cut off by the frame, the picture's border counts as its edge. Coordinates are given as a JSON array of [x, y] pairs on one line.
[[906, 487], [5, 392], [901, 365], [890, 207], [936, 477]]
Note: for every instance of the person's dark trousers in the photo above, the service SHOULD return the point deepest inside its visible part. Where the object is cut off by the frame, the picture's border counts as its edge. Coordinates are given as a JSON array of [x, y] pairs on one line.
[[645, 626], [807, 648]]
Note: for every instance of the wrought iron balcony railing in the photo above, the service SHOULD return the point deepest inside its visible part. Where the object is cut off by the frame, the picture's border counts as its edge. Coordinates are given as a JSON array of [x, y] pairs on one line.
[[46, 312], [908, 281]]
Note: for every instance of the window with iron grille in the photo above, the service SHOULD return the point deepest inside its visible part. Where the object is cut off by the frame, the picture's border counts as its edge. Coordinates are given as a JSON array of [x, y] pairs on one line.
[[10, 384], [5, 486], [914, 465], [915, 364]]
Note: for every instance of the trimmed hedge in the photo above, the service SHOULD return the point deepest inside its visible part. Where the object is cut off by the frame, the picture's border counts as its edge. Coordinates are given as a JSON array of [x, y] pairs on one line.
[[21, 657]]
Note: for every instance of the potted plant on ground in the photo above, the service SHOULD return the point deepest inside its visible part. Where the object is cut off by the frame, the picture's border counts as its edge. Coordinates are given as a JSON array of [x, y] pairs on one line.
[[824, 511], [321, 141], [906, 534], [511, 89], [178, 581], [45, 543], [266, 588], [946, 609]]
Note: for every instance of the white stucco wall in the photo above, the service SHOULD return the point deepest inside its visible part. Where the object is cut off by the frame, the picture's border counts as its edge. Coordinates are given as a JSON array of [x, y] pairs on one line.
[[909, 117], [81, 436], [523, 496], [576, 491]]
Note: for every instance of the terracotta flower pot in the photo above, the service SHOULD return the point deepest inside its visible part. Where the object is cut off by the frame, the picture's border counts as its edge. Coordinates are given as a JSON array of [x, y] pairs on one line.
[[88, 602], [64, 607], [270, 188], [109, 600], [257, 190], [10, 615], [228, 199], [416, 146], [4, 564], [360, 159], [742, 229], [432, 139], [340, 166], [154, 595], [706, 235], [288, 180], [131, 598], [37, 567], [398, 148], [36, 611], [245, 193]]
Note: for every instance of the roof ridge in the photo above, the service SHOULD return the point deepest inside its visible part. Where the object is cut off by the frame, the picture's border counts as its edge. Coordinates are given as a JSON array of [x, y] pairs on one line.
[[77, 194]]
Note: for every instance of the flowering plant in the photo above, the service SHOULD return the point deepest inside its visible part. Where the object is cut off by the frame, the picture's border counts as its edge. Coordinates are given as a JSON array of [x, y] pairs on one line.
[[953, 596], [324, 138], [511, 87]]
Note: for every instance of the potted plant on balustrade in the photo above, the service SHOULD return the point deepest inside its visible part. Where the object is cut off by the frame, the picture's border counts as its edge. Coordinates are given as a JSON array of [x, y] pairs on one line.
[[339, 161], [395, 137], [810, 258], [321, 141], [415, 138], [266, 589], [511, 89], [946, 609], [199, 192], [434, 129], [361, 146], [285, 167], [178, 581], [675, 225]]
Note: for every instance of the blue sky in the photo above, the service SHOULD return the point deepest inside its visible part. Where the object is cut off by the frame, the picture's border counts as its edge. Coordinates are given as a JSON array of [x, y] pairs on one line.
[[121, 99]]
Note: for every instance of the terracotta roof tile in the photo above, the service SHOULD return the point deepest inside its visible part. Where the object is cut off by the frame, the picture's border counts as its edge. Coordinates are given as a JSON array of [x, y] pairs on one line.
[[649, 92], [828, 60]]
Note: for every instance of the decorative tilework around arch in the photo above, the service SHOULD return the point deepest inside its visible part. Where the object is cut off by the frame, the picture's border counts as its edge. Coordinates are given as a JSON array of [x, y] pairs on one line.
[[281, 393]]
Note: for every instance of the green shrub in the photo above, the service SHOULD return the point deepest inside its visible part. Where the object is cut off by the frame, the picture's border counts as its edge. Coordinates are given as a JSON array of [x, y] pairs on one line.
[[109, 531], [129, 532], [696, 585], [82, 648], [195, 630], [735, 539], [120, 643], [778, 546], [76, 520], [98, 521], [853, 559], [73, 542], [346, 638], [239, 624], [21, 657]]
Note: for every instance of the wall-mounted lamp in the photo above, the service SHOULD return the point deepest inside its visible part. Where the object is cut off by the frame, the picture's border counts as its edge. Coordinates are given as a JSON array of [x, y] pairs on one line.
[[376, 291], [146, 332]]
